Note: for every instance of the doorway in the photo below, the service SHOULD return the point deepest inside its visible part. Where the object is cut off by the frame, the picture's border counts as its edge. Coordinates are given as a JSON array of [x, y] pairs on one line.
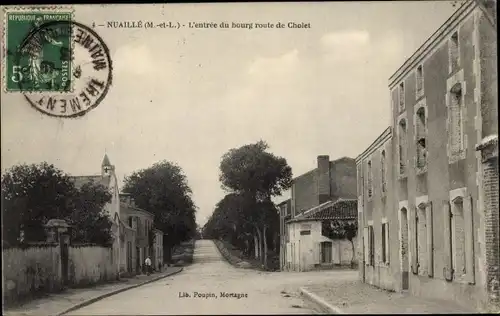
[[404, 249], [326, 252]]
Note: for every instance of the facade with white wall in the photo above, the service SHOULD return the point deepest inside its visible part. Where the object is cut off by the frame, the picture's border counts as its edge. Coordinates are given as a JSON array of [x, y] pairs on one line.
[[308, 248]]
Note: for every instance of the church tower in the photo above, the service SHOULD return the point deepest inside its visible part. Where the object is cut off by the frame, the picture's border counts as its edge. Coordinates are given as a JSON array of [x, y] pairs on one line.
[[107, 168]]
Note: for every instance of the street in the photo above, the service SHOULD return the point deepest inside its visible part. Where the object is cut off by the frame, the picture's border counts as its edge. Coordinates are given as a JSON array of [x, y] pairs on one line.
[[212, 286]]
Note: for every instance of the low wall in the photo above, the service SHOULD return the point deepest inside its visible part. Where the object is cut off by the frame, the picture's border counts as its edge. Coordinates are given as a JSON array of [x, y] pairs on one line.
[[342, 252], [90, 265], [28, 272]]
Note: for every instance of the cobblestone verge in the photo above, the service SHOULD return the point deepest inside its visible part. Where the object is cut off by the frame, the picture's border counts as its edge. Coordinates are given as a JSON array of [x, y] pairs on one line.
[[357, 297]]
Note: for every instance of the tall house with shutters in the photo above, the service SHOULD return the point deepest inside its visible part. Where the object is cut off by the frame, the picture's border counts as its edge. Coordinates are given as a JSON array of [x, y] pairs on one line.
[[432, 227]]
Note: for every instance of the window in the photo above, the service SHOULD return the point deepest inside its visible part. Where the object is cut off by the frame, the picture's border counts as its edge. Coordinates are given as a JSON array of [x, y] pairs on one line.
[[420, 81], [421, 138], [130, 221], [370, 188], [382, 167], [455, 119], [401, 97], [454, 52], [402, 146], [305, 232], [385, 243]]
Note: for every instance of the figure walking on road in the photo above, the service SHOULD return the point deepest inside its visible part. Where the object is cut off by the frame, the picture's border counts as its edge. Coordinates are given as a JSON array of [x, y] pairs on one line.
[[147, 262]]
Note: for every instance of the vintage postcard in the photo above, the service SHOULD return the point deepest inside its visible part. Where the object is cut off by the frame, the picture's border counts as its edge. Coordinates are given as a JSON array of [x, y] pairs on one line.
[[250, 158]]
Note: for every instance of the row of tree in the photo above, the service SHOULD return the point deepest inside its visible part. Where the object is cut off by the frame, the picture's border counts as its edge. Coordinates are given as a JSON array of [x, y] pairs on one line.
[[246, 216], [163, 190]]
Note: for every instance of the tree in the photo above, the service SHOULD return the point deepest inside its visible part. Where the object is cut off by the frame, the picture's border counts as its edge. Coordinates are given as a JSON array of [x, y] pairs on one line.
[[341, 229], [163, 190], [255, 175], [91, 223], [34, 194]]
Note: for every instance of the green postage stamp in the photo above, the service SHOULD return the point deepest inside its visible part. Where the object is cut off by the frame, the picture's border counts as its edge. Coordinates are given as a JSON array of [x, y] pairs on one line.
[[37, 57]]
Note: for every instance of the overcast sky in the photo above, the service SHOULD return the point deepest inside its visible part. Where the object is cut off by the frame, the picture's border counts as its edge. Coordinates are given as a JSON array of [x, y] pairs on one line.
[[190, 95]]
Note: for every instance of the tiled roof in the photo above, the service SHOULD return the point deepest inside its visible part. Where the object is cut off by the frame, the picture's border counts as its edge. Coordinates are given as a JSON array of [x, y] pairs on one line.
[[340, 209], [81, 180]]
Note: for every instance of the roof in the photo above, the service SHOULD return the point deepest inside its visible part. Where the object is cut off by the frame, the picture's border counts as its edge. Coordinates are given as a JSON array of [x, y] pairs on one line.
[[79, 181], [435, 39], [105, 161], [340, 209], [135, 208], [379, 141], [332, 162]]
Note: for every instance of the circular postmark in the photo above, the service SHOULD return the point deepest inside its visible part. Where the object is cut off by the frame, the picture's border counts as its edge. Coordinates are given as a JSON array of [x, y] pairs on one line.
[[66, 68]]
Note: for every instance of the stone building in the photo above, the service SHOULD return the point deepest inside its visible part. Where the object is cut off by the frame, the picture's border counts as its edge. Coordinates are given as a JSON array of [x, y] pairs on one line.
[[142, 222], [314, 195], [329, 181], [375, 216], [284, 211], [108, 179], [434, 230]]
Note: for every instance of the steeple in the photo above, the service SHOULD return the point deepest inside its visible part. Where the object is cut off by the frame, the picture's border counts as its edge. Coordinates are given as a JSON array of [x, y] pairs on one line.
[[106, 166], [105, 161]]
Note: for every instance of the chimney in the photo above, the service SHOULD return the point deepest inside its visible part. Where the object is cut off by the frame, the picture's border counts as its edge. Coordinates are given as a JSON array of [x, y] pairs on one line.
[[323, 183]]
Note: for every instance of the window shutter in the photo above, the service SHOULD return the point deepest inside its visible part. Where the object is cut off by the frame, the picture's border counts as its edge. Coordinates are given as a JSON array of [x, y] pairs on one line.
[[430, 241], [372, 245], [469, 246], [447, 270], [387, 248], [414, 262], [318, 247], [365, 242]]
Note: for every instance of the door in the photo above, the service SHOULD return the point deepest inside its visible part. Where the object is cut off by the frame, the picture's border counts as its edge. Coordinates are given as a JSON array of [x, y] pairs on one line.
[[326, 252], [137, 260], [305, 250], [129, 256], [64, 244]]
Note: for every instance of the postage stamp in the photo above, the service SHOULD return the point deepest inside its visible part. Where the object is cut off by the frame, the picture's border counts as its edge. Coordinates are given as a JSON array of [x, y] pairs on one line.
[[62, 67], [43, 64]]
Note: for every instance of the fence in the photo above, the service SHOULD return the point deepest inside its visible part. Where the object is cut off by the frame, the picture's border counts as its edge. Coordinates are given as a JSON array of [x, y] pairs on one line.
[[38, 269]]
